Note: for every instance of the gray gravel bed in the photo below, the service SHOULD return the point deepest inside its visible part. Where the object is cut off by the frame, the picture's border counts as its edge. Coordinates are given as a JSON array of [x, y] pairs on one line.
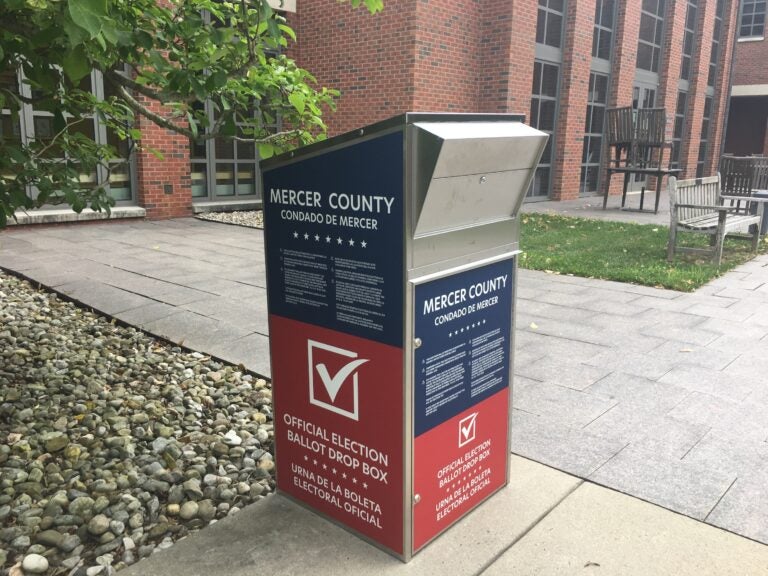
[[114, 445], [248, 218]]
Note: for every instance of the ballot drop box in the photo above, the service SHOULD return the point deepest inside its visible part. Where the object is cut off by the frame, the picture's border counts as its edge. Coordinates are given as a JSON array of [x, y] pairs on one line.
[[391, 257]]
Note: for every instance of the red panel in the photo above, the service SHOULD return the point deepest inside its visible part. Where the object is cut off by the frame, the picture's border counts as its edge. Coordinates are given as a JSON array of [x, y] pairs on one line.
[[339, 426], [458, 464]]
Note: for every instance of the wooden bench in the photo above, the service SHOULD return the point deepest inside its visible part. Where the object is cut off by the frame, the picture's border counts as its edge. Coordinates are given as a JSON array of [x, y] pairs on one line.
[[697, 206]]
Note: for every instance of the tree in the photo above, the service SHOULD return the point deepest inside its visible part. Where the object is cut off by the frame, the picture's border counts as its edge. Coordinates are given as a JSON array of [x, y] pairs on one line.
[[159, 59]]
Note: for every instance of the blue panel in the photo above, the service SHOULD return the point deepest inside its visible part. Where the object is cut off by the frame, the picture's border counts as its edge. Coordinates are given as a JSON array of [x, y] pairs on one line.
[[464, 324], [334, 239]]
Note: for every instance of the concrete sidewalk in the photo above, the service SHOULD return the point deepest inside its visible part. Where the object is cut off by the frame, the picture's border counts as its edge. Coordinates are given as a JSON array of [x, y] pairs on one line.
[[546, 522], [654, 393]]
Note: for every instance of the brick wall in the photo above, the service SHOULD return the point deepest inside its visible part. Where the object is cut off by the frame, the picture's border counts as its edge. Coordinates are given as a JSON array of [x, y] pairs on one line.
[[448, 57], [574, 91], [623, 64], [371, 59], [722, 84], [163, 185], [473, 55], [751, 63]]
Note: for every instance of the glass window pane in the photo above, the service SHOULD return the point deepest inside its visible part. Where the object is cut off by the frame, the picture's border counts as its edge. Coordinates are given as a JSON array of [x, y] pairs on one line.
[[547, 116], [534, 117], [644, 57], [554, 30], [536, 78], [647, 28], [540, 24], [120, 180], [549, 80], [246, 150], [598, 113], [604, 48], [225, 148], [608, 10], [199, 180], [225, 179], [246, 180], [197, 149]]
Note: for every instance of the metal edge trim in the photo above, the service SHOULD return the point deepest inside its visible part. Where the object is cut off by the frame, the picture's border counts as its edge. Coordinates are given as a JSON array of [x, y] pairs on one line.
[[378, 127]]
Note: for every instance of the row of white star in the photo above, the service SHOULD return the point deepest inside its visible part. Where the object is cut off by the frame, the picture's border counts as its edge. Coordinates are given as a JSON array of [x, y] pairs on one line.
[[457, 332], [335, 471], [463, 480], [328, 239]]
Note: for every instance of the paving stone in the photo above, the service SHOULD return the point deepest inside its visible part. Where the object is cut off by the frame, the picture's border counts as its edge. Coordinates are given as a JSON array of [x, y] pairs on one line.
[[562, 372], [143, 315], [638, 392], [708, 381], [106, 299], [730, 453], [680, 334], [704, 409], [628, 362], [250, 315], [744, 507], [561, 405], [535, 308], [193, 330], [252, 351], [669, 437], [683, 353], [716, 312], [572, 450], [674, 484], [558, 347]]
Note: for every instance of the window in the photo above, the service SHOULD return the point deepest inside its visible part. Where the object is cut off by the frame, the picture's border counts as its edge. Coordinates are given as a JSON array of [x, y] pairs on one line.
[[752, 19], [716, 38], [704, 146], [543, 114], [651, 35], [549, 26], [593, 132], [37, 124], [689, 38], [677, 134], [223, 167], [602, 34]]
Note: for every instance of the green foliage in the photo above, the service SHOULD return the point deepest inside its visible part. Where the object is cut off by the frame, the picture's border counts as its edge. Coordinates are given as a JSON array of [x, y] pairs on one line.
[[175, 53], [634, 253]]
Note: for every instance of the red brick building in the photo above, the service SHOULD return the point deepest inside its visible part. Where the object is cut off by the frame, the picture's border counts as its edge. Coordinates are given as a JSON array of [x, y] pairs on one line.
[[560, 62], [747, 129]]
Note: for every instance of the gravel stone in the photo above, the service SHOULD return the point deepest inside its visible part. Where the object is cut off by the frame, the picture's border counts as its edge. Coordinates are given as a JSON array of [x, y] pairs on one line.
[[98, 525], [34, 564], [247, 218], [110, 437]]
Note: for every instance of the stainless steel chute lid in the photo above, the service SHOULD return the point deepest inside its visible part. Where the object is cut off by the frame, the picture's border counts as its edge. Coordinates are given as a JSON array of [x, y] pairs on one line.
[[472, 173]]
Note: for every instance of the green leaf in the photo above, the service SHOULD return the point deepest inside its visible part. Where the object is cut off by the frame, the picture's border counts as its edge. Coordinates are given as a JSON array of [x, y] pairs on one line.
[[76, 65], [192, 124], [297, 100], [266, 150], [88, 14]]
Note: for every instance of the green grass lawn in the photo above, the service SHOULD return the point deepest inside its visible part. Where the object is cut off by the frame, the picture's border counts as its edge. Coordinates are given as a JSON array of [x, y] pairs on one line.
[[635, 253]]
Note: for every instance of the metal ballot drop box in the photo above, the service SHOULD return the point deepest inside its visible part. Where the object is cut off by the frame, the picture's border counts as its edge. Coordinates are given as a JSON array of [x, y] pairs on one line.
[[391, 272]]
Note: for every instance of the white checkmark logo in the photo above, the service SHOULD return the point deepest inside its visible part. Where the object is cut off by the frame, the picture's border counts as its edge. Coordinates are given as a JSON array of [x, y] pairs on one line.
[[320, 378], [333, 384], [467, 429]]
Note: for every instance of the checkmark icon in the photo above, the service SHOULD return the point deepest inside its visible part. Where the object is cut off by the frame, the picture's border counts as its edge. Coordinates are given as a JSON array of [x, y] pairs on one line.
[[467, 429], [333, 384], [324, 386]]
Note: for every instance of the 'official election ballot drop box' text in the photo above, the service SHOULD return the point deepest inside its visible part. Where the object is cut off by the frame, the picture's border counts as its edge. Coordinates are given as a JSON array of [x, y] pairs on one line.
[[391, 262]]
